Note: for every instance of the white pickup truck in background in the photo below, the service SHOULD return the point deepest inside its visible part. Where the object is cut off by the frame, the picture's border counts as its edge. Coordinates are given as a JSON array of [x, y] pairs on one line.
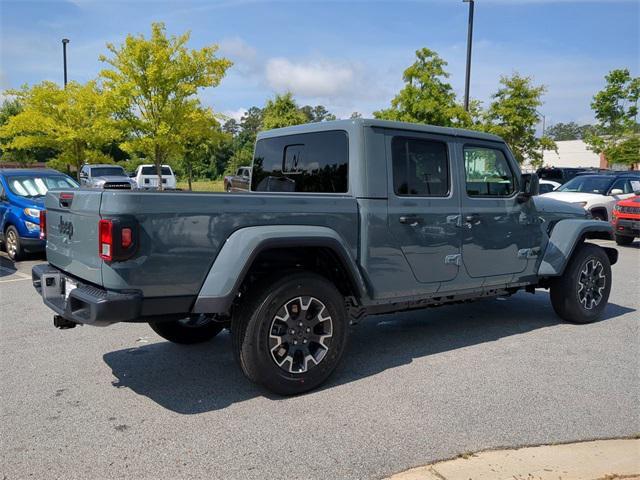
[[146, 176]]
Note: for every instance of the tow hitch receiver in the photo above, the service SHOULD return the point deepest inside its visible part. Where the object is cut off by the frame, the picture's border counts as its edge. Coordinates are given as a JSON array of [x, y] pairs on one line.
[[62, 323]]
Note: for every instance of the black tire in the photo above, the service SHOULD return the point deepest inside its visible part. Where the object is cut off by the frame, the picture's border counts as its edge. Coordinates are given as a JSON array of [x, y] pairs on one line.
[[599, 215], [570, 295], [228, 188], [255, 321], [12, 244], [624, 240], [196, 329]]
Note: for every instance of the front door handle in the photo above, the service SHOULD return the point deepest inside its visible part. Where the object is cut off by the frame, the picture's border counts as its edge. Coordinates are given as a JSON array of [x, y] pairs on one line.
[[411, 220]]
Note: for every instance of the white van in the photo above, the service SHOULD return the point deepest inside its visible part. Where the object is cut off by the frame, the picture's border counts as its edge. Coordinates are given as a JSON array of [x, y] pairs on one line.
[[147, 177]]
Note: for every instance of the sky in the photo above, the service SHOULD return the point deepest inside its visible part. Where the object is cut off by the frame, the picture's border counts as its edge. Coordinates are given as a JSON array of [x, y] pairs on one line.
[[346, 55]]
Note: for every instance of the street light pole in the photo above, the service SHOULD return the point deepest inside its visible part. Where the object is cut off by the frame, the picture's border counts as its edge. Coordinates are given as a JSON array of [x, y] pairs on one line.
[[469, 40], [64, 59]]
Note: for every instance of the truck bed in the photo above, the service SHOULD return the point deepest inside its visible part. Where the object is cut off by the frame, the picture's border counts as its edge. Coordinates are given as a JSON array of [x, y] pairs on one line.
[[180, 233]]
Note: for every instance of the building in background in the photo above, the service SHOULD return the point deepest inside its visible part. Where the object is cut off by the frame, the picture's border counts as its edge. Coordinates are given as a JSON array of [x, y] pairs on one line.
[[575, 153]]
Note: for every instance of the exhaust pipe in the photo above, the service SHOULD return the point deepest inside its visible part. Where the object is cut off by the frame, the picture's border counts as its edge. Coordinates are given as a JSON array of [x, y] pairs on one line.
[[62, 323]]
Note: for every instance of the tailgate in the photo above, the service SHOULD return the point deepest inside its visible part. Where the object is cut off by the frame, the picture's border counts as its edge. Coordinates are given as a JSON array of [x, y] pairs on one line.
[[72, 233]]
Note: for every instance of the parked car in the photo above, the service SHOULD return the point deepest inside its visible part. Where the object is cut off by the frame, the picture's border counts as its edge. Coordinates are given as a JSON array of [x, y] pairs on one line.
[[344, 219], [240, 182], [626, 220], [547, 186], [561, 174], [146, 177], [108, 177], [598, 193], [21, 203]]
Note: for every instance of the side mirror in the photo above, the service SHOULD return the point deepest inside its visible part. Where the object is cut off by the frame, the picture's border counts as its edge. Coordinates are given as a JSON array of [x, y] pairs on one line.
[[530, 186], [616, 191], [83, 176]]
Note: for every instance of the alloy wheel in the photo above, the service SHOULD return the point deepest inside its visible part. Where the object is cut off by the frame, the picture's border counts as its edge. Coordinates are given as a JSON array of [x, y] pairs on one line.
[[300, 334], [591, 284]]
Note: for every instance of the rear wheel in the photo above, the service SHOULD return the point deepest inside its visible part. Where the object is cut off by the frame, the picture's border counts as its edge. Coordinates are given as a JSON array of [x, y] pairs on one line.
[[12, 243], [193, 329], [581, 293], [624, 240], [290, 333]]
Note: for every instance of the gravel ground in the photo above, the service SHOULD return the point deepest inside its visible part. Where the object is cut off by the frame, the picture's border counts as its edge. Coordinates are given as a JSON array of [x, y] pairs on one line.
[[119, 402]]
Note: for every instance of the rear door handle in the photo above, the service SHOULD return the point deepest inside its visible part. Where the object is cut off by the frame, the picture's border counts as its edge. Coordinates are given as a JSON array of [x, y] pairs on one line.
[[412, 220], [472, 219]]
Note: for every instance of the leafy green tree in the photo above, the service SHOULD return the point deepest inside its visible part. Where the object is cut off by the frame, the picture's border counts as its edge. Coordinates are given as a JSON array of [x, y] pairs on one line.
[[355, 115], [282, 111], [319, 113], [201, 133], [567, 131], [616, 109], [231, 126], [74, 121], [152, 86], [427, 97], [513, 114]]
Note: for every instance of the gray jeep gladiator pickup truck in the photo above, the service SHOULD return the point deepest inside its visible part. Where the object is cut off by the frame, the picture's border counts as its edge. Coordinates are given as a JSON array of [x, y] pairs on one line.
[[344, 219]]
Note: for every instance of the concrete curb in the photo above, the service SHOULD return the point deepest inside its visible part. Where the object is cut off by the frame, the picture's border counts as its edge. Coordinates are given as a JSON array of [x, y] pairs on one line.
[[596, 460]]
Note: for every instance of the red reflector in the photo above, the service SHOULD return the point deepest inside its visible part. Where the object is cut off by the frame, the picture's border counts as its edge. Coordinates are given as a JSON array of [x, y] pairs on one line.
[[125, 238], [66, 196], [105, 239], [43, 224]]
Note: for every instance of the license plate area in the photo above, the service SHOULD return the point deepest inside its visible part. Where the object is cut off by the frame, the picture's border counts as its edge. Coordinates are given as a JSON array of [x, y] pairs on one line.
[[56, 286]]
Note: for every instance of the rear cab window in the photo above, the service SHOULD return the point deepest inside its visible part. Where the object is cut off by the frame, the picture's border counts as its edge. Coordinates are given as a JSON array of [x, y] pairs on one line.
[[316, 162]]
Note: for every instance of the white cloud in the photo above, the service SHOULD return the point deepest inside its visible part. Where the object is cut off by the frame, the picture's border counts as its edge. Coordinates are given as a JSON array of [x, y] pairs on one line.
[[312, 79], [235, 114], [237, 50]]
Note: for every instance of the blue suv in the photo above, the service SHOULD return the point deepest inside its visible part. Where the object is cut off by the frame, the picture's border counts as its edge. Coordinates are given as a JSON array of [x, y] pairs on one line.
[[22, 195]]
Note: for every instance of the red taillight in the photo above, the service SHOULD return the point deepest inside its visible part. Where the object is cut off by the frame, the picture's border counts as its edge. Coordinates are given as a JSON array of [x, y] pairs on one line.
[[43, 224], [126, 237], [105, 239]]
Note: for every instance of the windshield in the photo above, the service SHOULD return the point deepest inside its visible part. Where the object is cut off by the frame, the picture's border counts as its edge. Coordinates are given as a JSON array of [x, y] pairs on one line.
[[587, 184], [38, 186], [108, 172]]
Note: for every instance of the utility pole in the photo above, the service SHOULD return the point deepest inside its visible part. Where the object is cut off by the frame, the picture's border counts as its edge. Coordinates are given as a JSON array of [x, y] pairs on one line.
[[469, 41], [64, 59]]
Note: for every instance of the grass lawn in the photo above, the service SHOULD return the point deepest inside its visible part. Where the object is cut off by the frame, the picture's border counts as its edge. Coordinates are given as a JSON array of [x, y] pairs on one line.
[[203, 185]]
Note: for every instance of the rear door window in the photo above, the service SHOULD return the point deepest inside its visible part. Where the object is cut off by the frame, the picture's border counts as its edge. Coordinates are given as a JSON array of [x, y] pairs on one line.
[[310, 162], [420, 167]]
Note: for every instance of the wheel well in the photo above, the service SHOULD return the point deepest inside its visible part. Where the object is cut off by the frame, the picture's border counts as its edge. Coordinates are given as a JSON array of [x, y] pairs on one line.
[[321, 260], [601, 211]]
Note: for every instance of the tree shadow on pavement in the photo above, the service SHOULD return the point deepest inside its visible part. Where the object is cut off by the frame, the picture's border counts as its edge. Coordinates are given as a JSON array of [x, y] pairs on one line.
[[200, 378]]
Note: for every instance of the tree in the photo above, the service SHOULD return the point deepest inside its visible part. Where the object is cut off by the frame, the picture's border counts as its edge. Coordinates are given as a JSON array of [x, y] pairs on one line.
[[426, 97], [319, 113], [74, 121], [231, 127], [616, 109], [200, 135], [355, 115], [152, 86], [282, 111], [513, 114], [567, 131]]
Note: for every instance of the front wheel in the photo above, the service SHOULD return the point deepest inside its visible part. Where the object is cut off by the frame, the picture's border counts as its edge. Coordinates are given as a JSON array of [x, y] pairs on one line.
[[624, 239], [290, 333], [190, 330], [582, 292]]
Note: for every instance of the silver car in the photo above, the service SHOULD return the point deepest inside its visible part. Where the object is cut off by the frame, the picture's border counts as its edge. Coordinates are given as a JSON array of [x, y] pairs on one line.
[[111, 177]]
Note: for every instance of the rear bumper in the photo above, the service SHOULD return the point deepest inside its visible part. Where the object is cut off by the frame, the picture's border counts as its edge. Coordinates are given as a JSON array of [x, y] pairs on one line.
[[84, 303]]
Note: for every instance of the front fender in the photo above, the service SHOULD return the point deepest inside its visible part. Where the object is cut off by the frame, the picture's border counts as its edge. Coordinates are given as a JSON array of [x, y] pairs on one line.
[[241, 248], [565, 237]]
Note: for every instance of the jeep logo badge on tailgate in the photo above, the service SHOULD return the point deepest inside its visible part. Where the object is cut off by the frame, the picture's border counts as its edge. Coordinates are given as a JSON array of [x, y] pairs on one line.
[[65, 228]]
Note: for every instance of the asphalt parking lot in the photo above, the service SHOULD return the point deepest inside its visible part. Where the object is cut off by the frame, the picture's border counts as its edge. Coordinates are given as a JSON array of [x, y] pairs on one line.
[[119, 402]]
